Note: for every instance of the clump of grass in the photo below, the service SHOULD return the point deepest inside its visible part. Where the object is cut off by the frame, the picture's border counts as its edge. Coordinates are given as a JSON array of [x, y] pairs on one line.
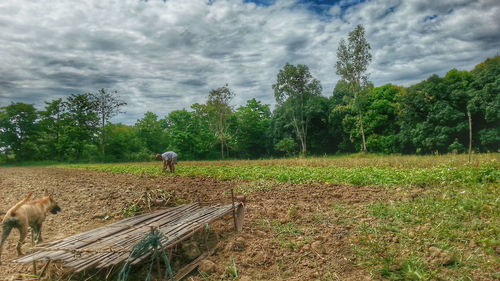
[[232, 270], [412, 268], [132, 210]]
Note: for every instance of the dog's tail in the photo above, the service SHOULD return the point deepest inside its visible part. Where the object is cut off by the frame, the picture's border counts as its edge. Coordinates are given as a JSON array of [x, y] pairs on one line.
[[18, 205]]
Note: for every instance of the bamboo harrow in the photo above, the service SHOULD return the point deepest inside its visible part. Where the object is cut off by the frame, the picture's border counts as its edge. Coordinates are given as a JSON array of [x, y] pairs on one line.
[[111, 245]]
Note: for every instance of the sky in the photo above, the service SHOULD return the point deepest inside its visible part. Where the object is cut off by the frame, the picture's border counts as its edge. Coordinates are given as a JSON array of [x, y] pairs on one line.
[[162, 56]]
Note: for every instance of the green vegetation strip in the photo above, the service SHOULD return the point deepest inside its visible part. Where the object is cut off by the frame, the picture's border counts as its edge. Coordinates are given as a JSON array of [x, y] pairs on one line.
[[465, 175]]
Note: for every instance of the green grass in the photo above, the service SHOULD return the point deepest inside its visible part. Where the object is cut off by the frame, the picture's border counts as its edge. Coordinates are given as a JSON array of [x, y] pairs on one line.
[[463, 221]]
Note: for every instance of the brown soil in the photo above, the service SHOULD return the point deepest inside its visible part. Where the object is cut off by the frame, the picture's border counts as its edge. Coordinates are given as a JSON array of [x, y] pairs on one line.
[[319, 250]]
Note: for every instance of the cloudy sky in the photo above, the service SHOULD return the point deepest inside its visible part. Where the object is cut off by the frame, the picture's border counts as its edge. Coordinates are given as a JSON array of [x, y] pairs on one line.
[[166, 55]]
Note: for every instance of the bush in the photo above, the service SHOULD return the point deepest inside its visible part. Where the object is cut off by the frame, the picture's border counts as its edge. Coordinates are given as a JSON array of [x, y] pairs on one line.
[[287, 145]]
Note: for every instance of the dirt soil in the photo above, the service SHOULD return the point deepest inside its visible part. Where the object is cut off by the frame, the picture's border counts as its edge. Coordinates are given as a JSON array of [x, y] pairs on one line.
[[284, 236]]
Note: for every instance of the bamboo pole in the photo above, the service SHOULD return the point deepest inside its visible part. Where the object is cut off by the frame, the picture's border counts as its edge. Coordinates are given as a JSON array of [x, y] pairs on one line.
[[234, 211]]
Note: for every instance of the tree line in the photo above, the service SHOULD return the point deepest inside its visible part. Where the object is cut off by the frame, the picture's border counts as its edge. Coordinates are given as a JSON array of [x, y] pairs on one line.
[[439, 115]]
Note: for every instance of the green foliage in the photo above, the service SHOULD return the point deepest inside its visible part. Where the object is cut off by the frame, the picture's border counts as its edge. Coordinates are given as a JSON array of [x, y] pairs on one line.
[[81, 124], [251, 134], [352, 63], [295, 91], [446, 175], [353, 58], [189, 134], [219, 113], [107, 106], [132, 210], [19, 131], [150, 130], [287, 145]]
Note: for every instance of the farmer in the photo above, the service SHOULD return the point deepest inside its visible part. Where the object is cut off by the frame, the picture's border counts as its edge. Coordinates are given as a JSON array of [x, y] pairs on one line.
[[169, 159]]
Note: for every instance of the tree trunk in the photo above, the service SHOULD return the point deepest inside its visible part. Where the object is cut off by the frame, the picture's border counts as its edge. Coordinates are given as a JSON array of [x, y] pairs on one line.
[[222, 149], [304, 147], [470, 134], [362, 133], [102, 136]]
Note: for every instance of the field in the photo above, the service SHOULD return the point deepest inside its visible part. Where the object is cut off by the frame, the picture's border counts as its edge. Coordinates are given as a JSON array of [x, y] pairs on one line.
[[359, 217]]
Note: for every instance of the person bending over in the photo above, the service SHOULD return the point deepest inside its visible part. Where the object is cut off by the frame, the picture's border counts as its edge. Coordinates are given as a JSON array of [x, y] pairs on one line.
[[169, 159]]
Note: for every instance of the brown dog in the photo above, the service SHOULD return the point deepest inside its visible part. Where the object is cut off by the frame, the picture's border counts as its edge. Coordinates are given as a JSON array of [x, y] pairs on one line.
[[25, 214]]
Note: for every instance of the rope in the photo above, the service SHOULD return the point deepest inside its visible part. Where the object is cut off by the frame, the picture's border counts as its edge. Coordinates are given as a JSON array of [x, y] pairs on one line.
[[151, 242]]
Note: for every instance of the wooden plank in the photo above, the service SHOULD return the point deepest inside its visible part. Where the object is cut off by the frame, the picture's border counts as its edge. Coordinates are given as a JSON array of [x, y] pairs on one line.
[[192, 265]]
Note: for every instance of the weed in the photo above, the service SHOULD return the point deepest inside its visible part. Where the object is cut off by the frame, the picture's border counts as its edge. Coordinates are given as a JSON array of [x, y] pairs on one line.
[[256, 186], [293, 212], [413, 268], [231, 270], [131, 211]]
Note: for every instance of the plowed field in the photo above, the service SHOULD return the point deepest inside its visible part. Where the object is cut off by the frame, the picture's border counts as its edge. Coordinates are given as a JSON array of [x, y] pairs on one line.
[[280, 225]]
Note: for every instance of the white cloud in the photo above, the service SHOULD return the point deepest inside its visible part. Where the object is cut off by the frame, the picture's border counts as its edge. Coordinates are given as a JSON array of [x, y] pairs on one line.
[[162, 56]]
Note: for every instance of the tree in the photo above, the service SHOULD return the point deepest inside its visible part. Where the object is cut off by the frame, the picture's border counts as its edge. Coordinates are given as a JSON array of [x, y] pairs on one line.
[[82, 120], [287, 146], [188, 134], [295, 88], [352, 63], [108, 105], [433, 115], [251, 129], [123, 144], [339, 109], [484, 103], [151, 132], [380, 119], [219, 113], [52, 125], [19, 130]]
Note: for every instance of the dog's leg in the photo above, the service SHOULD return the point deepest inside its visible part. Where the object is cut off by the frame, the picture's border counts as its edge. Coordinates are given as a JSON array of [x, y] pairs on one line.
[[37, 231], [23, 232], [5, 233]]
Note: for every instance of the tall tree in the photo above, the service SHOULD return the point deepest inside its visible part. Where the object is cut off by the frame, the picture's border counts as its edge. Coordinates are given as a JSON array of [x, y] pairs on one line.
[[108, 105], [352, 64], [294, 90], [82, 123], [251, 129], [52, 124], [219, 113]]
